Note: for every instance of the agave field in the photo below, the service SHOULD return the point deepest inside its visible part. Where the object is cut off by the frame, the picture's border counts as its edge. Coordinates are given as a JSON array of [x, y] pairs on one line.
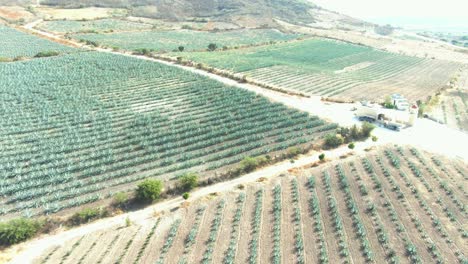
[[393, 205], [165, 41], [111, 120], [333, 69], [18, 44], [99, 25]]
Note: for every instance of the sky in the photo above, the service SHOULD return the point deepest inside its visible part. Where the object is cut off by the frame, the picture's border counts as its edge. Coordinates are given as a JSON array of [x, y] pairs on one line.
[[436, 13]]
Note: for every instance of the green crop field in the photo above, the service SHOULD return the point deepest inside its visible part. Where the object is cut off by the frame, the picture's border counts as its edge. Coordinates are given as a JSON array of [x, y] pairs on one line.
[[324, 67], [71, 26], [192, 40], [18, 44], [80, 126]]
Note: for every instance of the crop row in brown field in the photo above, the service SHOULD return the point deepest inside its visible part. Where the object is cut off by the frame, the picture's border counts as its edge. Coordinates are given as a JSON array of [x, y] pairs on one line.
[[393, 204]]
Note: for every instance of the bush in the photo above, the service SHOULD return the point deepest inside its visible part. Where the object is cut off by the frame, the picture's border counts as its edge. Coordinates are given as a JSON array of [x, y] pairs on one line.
[[351, 146], [149, 190], [86, 215], [374, 138], [46, 54], [212, 47], [322, 157], [366, 129], [3, 59], [248, 164], [142, 52], [294, 152], [120, 199], [181, 48], [188, 181], [186, 195], [333, 140], [18, 230]]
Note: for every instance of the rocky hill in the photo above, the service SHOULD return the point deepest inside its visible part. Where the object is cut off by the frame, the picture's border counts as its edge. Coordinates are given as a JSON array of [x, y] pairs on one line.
[[297, 11]]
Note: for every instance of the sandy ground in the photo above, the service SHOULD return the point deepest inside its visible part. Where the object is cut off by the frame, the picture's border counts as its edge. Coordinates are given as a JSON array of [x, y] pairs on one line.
[[78, 14]]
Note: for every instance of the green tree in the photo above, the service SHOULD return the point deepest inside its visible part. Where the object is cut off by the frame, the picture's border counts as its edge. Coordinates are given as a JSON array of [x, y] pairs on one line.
[[351, 146], [366, 129], [333, 140], [212, 47], [186, 195], [322, 157], [188, 181], [18, 230], [181, 48], [248, 164], [149, 190]]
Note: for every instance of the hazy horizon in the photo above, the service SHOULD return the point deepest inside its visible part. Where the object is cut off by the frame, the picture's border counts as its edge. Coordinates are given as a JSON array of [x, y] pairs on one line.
[[448, 15]]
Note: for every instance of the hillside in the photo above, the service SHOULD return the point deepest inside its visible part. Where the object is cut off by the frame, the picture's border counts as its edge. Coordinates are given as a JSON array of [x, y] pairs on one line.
[[263, 11]]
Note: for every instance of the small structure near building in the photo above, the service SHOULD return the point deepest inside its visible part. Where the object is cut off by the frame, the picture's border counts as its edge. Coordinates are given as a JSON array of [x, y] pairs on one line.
[[389, 118], [400, 102]]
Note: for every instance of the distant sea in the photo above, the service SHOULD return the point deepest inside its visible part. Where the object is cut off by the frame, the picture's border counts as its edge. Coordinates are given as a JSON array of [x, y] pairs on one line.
[[447, 25]]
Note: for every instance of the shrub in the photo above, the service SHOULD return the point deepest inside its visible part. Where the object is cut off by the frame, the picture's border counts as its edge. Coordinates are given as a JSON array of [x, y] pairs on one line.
[[86, 215], [181, 48], [18, 230], [322, 157], [374, 138], [248, 164], [294, 152], [212, 47], [388, 103], [188, 181], [366, 129], [142, 52], [149, 190], [351, 146], [46, 54], [120, 199], [186, 195], [333, 140], [128, 222], [3, 59]]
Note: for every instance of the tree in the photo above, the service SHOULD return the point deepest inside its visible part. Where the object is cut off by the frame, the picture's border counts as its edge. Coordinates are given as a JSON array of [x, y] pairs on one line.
[[366, 129], [18, 230], [149, 190], [374, 138], [188, 181], [388, 103], [248, 164], [212, 47], [322, 157], [351, 146], [181, 48], [186, 195], [333, 140], [354, 132]]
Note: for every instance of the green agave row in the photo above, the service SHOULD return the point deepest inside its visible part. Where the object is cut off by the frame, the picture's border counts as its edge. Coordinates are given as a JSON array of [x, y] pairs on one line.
[[76, 127]]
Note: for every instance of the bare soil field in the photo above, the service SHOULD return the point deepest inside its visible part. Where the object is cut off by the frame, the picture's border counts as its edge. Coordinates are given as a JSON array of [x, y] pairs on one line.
[[393, 204], [15, 13], [79, 13]]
